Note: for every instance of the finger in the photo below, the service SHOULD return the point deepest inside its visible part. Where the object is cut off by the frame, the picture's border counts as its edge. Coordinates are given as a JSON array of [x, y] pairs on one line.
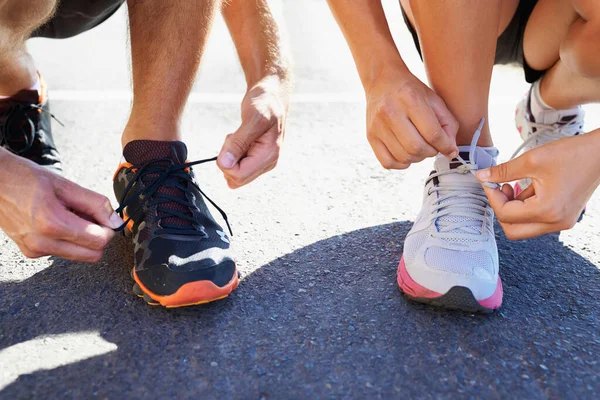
[[234, 184], [87, 202], [506, 172], [409, 141], [238, 143], [63, 249], [82, 232], [384, 156], [429, 127], [512, 211], [445, 117], [528, 230], [508, 191], [252, 166], [527, 193]]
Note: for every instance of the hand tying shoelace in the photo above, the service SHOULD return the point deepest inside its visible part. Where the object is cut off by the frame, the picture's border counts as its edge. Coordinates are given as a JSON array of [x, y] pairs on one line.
[[163, 172], [471, 167], [460, 204]]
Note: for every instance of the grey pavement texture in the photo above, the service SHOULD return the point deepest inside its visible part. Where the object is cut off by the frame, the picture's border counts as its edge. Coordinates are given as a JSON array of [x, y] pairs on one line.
[[318, 313]]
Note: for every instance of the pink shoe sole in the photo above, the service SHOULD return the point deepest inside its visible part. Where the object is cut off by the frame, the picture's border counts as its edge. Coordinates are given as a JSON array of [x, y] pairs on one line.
[[457, 298]]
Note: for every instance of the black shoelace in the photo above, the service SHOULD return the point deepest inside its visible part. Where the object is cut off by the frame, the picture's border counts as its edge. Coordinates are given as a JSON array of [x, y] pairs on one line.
[[165, 172], [18, 114]]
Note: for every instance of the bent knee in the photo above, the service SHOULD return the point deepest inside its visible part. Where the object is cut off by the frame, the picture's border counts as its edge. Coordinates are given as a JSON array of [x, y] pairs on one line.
[[580, 51]]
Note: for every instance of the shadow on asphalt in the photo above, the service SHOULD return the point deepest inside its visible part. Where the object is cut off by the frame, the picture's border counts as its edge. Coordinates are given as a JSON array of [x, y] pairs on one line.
[[324, 321]]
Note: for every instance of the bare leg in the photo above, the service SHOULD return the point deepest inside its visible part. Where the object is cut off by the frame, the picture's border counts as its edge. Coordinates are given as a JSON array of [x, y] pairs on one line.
[[570, 50], [458, 42], [167, 42], [18, 18]]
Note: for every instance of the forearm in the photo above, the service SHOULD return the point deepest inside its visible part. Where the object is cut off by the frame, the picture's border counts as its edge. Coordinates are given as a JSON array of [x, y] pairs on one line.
[[258, 38], [366, 30]]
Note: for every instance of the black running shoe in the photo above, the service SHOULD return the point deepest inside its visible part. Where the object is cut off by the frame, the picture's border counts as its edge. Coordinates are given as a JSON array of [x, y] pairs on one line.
[[25, 128], [182, 256]]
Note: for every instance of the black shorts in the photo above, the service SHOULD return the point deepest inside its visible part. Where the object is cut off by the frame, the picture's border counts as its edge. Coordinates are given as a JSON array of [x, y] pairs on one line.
[[509, 49], [77, 16]]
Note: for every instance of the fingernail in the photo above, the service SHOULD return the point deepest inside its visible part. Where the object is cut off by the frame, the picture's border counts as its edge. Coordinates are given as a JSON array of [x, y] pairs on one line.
[[115, 220], [483, 174], [454, 154], [227, 160]]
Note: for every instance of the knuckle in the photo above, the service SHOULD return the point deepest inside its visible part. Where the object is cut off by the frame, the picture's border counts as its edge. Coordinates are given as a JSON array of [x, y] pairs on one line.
[[95, 257], [34, 248], [47, 227], [387, 164], [239, 144], [415, 149], [385, 109], [410, 95], [510, 234]]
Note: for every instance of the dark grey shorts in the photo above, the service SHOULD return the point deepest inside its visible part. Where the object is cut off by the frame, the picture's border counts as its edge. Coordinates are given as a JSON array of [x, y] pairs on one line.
[[509, 49], [77, 16]]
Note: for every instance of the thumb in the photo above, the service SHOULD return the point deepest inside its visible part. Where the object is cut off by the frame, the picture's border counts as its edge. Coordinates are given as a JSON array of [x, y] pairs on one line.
[[506, 172], [236, 146], [89, 203]]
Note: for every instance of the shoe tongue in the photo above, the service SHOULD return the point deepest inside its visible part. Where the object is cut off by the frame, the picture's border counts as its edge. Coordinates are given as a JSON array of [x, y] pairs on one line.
[[140, 152], [485, 157]]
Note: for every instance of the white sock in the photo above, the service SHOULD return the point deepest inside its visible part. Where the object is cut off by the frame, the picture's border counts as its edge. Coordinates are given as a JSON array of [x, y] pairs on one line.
[[538, 105], [36, 86]]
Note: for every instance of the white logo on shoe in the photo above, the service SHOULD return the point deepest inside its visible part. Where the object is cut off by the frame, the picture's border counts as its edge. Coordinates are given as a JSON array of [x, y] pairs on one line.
[[223, 236]]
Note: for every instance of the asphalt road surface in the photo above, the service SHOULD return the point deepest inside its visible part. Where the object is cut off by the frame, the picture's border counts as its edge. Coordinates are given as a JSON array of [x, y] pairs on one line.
[[318, 313]]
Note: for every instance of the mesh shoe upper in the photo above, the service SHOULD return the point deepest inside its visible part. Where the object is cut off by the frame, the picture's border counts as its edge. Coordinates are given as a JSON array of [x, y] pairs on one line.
[[25, 128], [176, 239]]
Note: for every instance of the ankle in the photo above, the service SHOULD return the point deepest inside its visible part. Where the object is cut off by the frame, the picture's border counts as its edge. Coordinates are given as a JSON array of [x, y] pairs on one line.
[[140, 129], [17, 72]]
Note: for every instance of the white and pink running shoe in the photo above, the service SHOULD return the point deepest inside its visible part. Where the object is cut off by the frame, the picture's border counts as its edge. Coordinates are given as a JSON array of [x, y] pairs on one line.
[[450, 256]]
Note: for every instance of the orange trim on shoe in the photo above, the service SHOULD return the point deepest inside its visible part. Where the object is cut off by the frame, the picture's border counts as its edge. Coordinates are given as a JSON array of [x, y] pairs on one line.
[[193, 293], [44, 90], [120, 167]]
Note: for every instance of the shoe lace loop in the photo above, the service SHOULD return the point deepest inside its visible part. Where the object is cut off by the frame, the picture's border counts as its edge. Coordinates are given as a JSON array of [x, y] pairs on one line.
[[14, 118], [465, 203], [164, 172]]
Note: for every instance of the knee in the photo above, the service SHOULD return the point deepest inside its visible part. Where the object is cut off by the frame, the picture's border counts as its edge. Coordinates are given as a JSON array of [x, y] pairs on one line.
[[580, 50], [25, 15]]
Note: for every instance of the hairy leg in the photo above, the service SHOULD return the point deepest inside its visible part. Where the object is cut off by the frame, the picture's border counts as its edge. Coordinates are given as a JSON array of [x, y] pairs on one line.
[[167, 42], [563, 36], [458, 42], [18, 18]]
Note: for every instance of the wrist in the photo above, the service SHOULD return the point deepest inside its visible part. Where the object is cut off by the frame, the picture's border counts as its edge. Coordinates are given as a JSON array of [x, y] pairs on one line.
[[280, 71], [376, 68]]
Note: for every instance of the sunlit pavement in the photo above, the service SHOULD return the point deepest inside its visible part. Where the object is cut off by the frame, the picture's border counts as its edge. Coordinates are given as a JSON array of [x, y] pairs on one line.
[[318, 313]]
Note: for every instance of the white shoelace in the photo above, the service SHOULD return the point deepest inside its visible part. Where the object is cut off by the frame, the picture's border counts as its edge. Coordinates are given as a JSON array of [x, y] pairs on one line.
[[546, 133], [466, 202]]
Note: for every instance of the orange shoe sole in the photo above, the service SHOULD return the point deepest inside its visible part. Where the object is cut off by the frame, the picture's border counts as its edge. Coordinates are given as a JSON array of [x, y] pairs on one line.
[[191, 294]]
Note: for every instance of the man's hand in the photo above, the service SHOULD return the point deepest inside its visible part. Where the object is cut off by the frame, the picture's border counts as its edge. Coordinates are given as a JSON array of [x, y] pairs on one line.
[[407, 122], [48, 215], [254, 148], [564, 175]]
